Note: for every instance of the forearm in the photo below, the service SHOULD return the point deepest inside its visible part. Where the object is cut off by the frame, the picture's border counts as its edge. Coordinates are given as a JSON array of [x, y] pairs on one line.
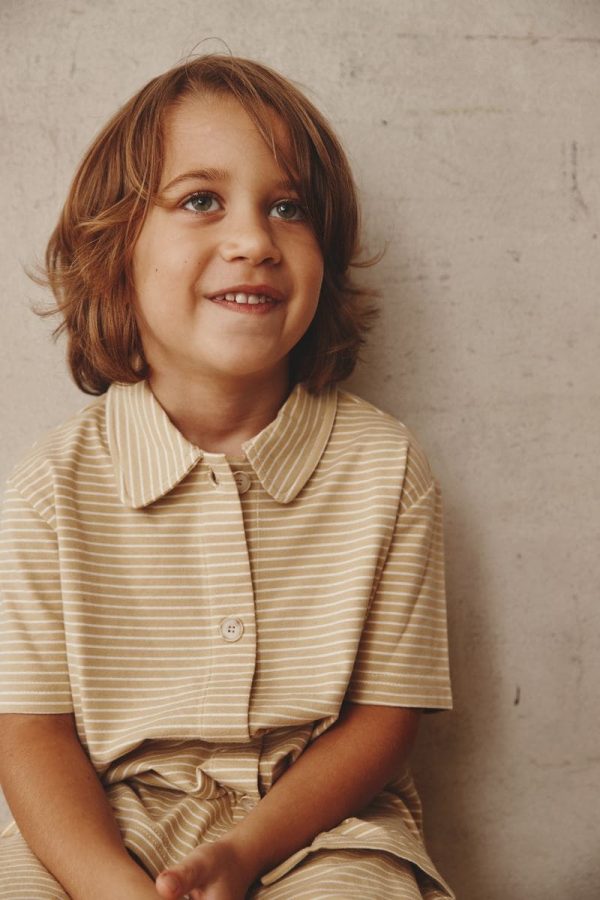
[[62, 811], [333, 778]]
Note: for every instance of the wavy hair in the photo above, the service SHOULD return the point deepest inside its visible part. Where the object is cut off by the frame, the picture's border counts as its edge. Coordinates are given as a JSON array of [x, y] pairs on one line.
[[88, 259]]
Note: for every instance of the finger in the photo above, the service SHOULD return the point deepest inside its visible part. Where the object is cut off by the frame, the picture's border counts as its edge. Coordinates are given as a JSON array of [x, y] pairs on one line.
[[173, 883], [168, 886]]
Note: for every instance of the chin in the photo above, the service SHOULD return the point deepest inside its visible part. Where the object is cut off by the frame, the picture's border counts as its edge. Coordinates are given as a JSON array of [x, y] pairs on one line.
[[248, 366]]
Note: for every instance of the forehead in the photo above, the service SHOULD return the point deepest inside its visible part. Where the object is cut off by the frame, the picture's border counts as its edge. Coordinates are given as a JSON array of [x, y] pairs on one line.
[[214, 128]]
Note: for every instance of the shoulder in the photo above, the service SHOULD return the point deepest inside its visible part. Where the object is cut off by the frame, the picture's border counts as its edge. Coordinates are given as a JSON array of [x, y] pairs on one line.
[[357, 410], [60, 450], [384, 435]]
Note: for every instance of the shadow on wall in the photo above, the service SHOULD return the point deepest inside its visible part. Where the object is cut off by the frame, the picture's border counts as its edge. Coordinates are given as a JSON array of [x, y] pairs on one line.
[[450, 744]]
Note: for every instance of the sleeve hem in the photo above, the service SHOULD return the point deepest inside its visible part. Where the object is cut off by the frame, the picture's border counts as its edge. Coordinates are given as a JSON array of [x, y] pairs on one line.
[[428, 705], [32, 709]]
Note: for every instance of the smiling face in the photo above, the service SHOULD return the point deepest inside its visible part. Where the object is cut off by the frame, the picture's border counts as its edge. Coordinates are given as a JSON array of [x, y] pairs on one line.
[[229, 233]]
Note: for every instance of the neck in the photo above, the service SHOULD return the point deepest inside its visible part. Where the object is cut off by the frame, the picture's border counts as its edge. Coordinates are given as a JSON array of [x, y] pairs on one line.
[[219, 415]]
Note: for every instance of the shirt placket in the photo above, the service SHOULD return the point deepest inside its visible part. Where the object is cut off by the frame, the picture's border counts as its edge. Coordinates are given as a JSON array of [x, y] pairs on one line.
[[230, 607]]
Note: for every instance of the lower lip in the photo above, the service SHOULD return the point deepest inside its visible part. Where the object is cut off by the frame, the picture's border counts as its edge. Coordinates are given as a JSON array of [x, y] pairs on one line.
[[254, 309]]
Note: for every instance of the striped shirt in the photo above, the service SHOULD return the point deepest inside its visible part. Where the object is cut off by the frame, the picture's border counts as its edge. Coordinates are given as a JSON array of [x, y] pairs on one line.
[[204, 617]]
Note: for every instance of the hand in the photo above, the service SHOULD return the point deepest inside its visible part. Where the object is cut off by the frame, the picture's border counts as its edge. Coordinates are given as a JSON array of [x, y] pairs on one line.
[[211, 872]]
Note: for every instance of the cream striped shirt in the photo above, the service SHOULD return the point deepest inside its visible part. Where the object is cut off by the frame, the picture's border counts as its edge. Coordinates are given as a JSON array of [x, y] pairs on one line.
[[204, 617]]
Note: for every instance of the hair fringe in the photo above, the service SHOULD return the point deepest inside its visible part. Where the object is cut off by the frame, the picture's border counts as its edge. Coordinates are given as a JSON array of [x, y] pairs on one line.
[[88, 259]]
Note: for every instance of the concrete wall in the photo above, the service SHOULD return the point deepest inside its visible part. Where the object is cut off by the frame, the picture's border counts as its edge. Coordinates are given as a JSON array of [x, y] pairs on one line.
[[474, 133]]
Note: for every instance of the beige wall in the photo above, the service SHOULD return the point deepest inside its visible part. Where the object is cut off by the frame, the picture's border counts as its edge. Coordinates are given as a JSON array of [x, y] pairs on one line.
[[474, 131]]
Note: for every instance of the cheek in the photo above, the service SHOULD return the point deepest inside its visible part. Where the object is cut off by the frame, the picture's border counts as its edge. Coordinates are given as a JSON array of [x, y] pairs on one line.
[[147, 271], [318, 273], [159, 269], [145, 266], [162, 250], [313, 268]]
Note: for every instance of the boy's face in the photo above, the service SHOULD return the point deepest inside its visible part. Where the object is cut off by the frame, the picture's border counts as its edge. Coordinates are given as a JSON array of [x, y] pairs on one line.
[[224, 229]]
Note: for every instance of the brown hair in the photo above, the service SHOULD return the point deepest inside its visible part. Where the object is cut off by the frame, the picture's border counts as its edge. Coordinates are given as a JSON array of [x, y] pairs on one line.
[[89, 254]]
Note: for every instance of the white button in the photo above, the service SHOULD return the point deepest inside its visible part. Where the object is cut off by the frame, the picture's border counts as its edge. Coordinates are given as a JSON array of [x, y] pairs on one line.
[[231, 629], [243, 481]]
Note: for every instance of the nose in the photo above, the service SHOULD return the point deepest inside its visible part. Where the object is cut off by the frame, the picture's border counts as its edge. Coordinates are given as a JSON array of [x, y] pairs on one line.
[[248, 237]]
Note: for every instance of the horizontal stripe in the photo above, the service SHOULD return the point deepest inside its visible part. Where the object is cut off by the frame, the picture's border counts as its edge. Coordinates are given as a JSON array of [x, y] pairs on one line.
[[121, 558]]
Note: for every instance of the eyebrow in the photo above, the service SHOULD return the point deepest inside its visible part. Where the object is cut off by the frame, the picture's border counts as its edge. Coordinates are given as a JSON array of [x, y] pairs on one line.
[[198, 175], [211, 174]]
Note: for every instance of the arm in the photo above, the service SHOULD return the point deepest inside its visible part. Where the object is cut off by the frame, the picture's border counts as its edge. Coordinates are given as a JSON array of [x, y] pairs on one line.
[[48, 779], [335, 777], [62, 811]]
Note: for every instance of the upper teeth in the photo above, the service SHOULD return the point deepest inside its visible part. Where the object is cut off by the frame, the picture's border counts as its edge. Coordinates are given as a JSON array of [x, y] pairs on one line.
[[245, 298]]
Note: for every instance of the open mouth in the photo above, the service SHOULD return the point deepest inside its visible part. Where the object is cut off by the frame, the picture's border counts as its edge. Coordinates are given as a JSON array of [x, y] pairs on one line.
[[242, 298]]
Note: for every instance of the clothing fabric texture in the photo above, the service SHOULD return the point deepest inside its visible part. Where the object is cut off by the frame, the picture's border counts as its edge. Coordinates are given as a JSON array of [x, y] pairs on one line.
[[203, 618]]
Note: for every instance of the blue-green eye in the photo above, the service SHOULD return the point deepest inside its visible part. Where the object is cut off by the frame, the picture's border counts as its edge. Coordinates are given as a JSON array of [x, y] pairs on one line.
[[290, 210], [201, 203]]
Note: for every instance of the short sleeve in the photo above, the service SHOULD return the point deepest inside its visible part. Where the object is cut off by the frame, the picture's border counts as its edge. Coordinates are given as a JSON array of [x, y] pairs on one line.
[[33, 664], [402, 659]]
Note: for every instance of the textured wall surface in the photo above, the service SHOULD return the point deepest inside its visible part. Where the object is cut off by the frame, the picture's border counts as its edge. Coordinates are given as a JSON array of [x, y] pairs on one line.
[[474, 134]]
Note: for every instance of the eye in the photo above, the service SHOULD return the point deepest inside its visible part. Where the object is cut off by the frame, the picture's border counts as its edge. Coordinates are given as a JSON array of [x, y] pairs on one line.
[[290, 210], [201, 203]]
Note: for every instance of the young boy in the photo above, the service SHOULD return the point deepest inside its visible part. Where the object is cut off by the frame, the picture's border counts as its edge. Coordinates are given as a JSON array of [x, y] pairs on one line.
[[223, 585]]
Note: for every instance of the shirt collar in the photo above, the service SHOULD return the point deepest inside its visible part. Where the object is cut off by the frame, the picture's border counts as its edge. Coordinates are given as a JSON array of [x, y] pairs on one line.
[[150, 455]]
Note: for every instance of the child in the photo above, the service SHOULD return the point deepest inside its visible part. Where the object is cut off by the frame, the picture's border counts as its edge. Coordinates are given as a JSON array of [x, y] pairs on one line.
[[223, 583]]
